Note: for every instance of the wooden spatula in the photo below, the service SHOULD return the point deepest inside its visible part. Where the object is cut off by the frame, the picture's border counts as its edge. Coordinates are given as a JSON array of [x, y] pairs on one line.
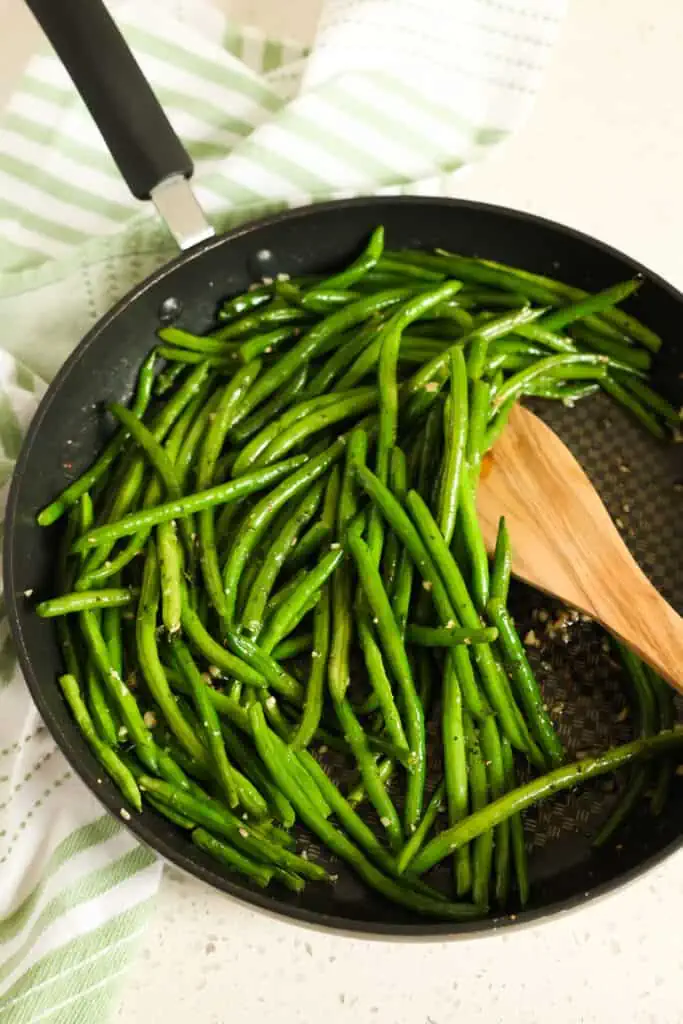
[[564, 542]]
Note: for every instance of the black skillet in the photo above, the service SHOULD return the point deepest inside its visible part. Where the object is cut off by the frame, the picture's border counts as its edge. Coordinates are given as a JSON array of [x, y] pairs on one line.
[[582, 685]]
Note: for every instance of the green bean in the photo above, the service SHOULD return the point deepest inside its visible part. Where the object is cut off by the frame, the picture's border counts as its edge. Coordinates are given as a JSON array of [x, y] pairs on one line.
[[527, 688], [171, 568], [264, 344], [284, 619], [502, 565], [377, 793], [511, 721], [455, 436], [255, 322], [344, 848], [326, 300], [310, 544], [346, 406], [103, 719], [385, 769], [381, 686], [109, 760], [482, 848], [548, 339], [247, 758], [566, 777], [293, 646], [250, 455], [590, 305], [568, 394], [399, 521], [390, 340], [187, 358], [341, 358], [449, 636], [84, 600], [284, 592], [150, 663], [261, 874], [313, 702], [259, 593], [650, 398], [359, 268], [189, 504], [214, 652], [634, 358], [247, 301], [179, 447], [647, 722], [496, 328], [270, 410], [219, 425], [550, 366], [453, 735], [120, 695], [492, 751], [498, 424], [632, 403], [262, 515], [473, 540], [664, 700], [259, 659], [517, 843], [211, 725], [168, 378], [481, 394], [338, 672], [392, 643], [193, 342], [417, 840], [312, 342], [71, 494]]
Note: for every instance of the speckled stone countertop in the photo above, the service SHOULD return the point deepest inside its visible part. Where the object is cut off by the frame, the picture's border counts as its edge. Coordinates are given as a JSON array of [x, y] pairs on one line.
[[603, 152]]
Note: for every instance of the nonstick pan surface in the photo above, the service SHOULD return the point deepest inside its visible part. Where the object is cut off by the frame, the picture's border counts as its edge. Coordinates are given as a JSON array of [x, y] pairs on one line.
[[639, 479]]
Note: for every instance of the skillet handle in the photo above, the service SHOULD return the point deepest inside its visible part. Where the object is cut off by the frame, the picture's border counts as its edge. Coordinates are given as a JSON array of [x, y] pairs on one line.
[[139, 136], [137, 132]]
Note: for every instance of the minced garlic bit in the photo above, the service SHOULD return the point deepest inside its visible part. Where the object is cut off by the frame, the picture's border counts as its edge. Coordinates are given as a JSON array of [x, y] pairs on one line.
[[432, 386], [385, 821], [282, 276], [427, 584], [623, 714], [122, 733], [29, 592], [335, 546], [271, 702], [451, 624], [150, 719], [124, 814], [214, 671], [244, 832], [531, 640]]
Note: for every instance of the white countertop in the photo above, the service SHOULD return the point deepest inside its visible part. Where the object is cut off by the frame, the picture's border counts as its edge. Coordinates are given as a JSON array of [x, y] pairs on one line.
[[603, 151]]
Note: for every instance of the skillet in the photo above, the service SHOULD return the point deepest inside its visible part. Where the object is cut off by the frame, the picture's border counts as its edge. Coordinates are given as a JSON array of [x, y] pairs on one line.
[[69, 428]]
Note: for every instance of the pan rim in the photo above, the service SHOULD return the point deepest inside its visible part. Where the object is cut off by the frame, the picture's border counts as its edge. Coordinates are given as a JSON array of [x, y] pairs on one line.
[[140, 826]]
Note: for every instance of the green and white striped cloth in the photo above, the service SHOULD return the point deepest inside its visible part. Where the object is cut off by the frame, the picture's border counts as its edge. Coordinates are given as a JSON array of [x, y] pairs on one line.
[[395, 96]]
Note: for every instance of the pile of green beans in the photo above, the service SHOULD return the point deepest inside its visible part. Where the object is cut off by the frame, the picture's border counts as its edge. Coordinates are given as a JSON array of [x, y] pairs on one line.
[[278, 554]]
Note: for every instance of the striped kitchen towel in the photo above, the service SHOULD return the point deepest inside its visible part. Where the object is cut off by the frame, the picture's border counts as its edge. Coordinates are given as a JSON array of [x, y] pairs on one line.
[[394, 96]]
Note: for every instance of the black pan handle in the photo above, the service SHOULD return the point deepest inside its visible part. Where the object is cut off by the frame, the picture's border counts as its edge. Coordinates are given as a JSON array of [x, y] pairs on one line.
[[137, 132]]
